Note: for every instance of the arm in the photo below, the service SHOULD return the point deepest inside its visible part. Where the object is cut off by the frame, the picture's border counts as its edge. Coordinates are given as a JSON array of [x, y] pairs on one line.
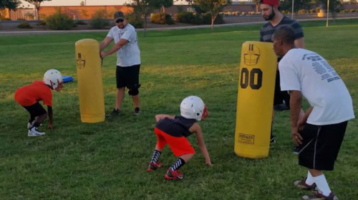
[[50, 115], [162, 116], [115, 48], [300, 43], [295, 107], [199, 136], [303, 119], [105, 43]]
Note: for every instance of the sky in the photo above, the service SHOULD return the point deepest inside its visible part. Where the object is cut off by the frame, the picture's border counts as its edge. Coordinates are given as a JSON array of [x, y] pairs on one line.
[[77, 2]]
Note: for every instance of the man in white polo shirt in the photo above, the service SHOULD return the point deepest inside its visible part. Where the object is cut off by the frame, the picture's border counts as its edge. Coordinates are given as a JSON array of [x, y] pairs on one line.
[[320, 132], [128, 60]]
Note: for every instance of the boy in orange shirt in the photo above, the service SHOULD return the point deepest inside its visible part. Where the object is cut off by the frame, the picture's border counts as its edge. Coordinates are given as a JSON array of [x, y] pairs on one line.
[[29, 96], [174, 130]]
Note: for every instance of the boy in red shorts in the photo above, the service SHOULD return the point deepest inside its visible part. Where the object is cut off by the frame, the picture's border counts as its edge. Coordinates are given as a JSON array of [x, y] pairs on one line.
[[173, 130], [29, 96]]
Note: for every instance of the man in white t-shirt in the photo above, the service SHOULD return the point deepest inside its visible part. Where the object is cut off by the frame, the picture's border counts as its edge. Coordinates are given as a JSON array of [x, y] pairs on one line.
[[320, 132], [128, 60]]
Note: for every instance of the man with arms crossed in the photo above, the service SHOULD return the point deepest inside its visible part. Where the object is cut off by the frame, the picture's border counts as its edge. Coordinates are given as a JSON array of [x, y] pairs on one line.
[[271, 13]]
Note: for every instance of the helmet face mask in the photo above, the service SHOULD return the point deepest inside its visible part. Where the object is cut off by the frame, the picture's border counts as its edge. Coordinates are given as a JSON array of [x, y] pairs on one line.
[[192, 107], [53, 78]]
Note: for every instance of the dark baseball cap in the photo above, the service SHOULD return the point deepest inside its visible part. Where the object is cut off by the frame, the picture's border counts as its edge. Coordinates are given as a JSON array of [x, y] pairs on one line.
[[118, 15]]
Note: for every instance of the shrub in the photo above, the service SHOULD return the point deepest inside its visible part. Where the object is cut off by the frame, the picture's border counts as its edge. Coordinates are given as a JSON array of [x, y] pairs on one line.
[[318, 9], [24, 25], [207, 19], [80, 22], [184, 17], [135, 19], [41, 23], [29, 16], [302, 11], [59, 21], [352, 10], [99, 19], [188, 18], [161, 18]]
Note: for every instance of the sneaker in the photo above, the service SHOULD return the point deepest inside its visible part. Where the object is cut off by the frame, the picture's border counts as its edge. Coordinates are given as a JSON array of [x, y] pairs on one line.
[[281, 107], [136, 111], [29, 125], [34, 132], [296, 150], [301, 184], [319, 196], [153, 166], [272, 140], [173, 175], [114, 112]]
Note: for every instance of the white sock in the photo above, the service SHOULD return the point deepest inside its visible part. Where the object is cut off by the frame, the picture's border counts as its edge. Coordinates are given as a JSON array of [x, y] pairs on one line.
[[309, 179], [322, 185]]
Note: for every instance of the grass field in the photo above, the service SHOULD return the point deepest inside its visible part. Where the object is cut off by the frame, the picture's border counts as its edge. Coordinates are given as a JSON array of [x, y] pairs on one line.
[[108, 160]]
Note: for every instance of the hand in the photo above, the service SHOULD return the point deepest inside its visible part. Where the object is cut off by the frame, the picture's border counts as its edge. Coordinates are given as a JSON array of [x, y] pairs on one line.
[[102, 55], [208, 163], [50, 126], [296, 137], [301, 124]]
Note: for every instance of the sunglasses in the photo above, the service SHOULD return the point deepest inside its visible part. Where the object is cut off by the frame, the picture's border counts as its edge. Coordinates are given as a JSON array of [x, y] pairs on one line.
[[119, 20]]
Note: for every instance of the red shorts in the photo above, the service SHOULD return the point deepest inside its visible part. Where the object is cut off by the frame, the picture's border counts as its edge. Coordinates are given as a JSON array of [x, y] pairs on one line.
[[178, 145]]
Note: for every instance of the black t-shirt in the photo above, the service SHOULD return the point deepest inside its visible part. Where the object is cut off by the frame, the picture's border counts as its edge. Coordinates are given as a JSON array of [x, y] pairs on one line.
[[177, 127]]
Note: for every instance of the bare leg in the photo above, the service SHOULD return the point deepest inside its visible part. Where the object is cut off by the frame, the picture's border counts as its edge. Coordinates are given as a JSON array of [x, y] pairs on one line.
[[119, 98]]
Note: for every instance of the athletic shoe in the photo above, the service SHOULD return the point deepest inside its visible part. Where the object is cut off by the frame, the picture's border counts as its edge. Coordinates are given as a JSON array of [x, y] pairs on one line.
[[153, 166], [136, 111], [296, 150], [29, 125], [34, 132], [173, 175], [272, 140], [319, 196], [114, 112], [301, 184]]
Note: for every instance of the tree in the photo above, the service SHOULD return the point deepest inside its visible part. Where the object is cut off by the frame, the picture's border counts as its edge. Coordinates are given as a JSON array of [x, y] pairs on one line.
[[82, 3], [299, 4], [162, 4], [10, 4], [213, 7], [143, 8], [257, 3], [333, 6], [37, 4]]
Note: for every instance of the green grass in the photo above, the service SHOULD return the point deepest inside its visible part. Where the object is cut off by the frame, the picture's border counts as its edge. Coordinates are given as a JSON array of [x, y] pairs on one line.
[[108, 160]]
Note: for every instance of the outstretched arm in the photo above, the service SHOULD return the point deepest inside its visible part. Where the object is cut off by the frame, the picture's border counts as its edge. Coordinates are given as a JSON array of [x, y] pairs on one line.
[[50, 116], [199, 136], [162, 116]]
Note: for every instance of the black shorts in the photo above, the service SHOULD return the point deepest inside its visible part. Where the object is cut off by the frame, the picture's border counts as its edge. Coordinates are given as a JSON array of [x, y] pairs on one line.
[[320, 145], [35, 110], [279, 95], [128, 77]]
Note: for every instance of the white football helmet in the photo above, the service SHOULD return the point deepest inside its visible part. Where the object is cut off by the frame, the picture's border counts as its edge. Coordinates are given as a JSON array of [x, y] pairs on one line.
[[192, 107], [53, 78]]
